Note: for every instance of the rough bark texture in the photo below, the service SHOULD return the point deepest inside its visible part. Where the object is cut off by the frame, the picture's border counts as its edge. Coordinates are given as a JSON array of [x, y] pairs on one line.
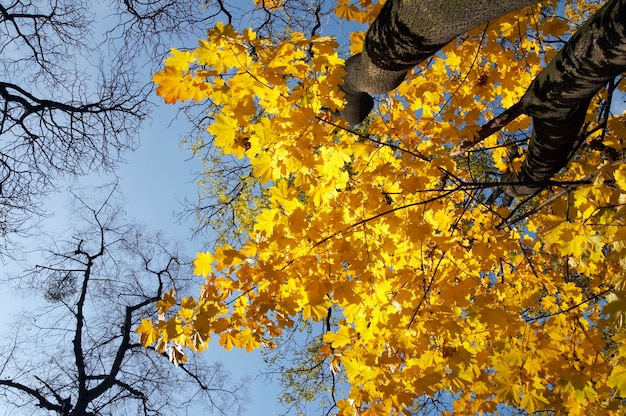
[[558, 98], [405, 33]]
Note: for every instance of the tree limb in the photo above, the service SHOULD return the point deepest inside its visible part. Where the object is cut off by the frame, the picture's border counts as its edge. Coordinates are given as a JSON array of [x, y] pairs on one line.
[[404, 34], [43, 402], [494, 125], [558, 98]]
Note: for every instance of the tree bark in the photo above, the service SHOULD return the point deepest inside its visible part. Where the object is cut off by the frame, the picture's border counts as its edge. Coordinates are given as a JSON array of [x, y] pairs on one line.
[[405, 33], [558, 97]]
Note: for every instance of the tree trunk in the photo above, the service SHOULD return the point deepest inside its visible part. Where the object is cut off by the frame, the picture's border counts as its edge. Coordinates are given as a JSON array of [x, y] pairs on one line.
[[405, 33], [558, 98]]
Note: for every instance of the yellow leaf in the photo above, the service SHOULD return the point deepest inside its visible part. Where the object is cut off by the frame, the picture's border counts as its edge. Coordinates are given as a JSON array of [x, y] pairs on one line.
[[615, 308], [353, 367], [532, 366], [265, 221], [166, 302], [556, 27], [173, 85], [453, 61], [316, 311], [620, 176], [228, 340], [347, 12], [203, 264], [247, 339], [341, 338], [179, 60], [508, 392], [334, 161], [224, 129], [356, 42], [148, 335], [188, 303], [533, 401], [262, 167]]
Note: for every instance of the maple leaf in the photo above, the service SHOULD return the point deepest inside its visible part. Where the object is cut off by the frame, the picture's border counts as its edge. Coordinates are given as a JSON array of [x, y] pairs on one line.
[[263, 167], [228, 340], [224, 129], [341, 338], [248, 340], [265, 221], [166, 302], [148, 335], [615, 308], [179, 60], [620, 177], [316, 311], [533, 401], [173, 85], [617, 379], [203, 264], [509, 393]]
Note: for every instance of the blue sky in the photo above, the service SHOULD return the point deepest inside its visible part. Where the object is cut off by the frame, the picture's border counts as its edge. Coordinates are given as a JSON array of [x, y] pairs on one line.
[[153, 181]]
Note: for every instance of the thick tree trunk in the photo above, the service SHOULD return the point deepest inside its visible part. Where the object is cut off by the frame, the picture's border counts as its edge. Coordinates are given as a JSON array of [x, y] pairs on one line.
[[405, 33], [558, 98]]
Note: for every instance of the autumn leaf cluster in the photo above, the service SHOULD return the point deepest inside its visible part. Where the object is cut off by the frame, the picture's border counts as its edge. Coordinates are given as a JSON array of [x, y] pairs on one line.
[[437, 290]]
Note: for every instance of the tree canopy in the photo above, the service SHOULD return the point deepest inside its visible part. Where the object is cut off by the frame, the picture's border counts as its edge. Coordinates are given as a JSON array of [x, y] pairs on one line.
[[395, 228]]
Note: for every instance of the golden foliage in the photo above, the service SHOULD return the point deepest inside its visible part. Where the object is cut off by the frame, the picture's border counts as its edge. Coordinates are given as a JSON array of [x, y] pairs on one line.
[[382, 225], [269, 4]]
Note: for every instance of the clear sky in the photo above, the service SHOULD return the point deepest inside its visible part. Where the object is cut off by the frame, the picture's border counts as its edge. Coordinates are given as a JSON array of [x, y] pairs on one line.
[[154, 180]]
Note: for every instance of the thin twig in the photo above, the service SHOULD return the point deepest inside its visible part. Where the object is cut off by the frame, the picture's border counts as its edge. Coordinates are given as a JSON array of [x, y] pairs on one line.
[[494, 125]]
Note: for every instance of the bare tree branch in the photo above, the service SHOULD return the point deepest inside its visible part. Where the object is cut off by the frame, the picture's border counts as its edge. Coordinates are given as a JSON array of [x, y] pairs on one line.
[[35, 394], [120, 272]]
